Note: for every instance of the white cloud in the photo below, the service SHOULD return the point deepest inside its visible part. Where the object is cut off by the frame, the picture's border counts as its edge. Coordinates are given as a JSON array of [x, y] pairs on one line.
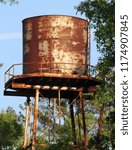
[[10, 36]]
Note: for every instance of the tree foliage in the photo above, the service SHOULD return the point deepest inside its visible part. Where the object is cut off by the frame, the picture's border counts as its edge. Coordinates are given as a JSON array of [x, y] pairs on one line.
[[10, 129], [101, 15], [9, 1]]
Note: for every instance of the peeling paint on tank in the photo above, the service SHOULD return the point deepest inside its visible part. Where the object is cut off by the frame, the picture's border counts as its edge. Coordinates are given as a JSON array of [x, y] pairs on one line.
[[75, 43], [62, 21], [40, 28], [28, 32], [26, 49], [43, 48], [62, 57], [54, 33]]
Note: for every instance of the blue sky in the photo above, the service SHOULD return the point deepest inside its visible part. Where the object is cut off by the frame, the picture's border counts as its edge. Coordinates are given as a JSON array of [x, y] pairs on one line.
[[11, 35]]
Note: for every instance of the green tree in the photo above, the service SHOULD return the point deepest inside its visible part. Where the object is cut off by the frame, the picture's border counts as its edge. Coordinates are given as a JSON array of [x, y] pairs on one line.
[[101, 15], [10, 130]]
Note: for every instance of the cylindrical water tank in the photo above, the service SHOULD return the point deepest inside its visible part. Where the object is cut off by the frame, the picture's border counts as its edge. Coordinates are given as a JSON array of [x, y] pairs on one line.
[[54, 43]]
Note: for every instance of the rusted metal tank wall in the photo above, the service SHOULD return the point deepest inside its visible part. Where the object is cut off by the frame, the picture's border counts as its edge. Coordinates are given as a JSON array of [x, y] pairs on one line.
[[54, 42]]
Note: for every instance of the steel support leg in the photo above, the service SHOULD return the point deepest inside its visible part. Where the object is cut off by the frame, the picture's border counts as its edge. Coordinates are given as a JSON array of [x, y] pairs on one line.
[[35, 119], [26, 123], [83, 120], [72, 121]]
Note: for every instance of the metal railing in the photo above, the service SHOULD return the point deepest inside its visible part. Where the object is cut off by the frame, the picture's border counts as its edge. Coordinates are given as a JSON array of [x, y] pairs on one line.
[[56, 68]]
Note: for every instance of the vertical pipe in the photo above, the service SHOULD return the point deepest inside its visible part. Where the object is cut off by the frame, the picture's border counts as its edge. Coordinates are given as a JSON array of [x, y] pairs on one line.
[[89, 50], [72, 121], [83, 120], [89, 45], [35, 119], [26, 123]]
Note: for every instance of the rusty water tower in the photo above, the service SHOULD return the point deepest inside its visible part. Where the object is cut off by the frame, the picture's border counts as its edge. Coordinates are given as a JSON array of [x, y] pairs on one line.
[[56, 63], [57, 42]]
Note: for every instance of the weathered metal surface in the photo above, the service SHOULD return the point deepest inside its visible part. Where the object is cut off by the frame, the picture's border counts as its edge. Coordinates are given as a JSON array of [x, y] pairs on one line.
[[54, 42]]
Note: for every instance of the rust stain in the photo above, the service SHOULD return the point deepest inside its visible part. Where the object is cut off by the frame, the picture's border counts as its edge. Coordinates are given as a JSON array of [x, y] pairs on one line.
[[43, 48], [54, 39]]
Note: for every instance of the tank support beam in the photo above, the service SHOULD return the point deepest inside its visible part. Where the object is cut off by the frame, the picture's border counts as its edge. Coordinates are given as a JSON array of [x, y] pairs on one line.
[[35, 119]]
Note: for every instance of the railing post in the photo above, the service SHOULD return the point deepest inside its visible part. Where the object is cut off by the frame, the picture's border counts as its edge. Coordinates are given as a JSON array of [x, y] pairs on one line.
[[13, 70], [5, 77], [9, 75]]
